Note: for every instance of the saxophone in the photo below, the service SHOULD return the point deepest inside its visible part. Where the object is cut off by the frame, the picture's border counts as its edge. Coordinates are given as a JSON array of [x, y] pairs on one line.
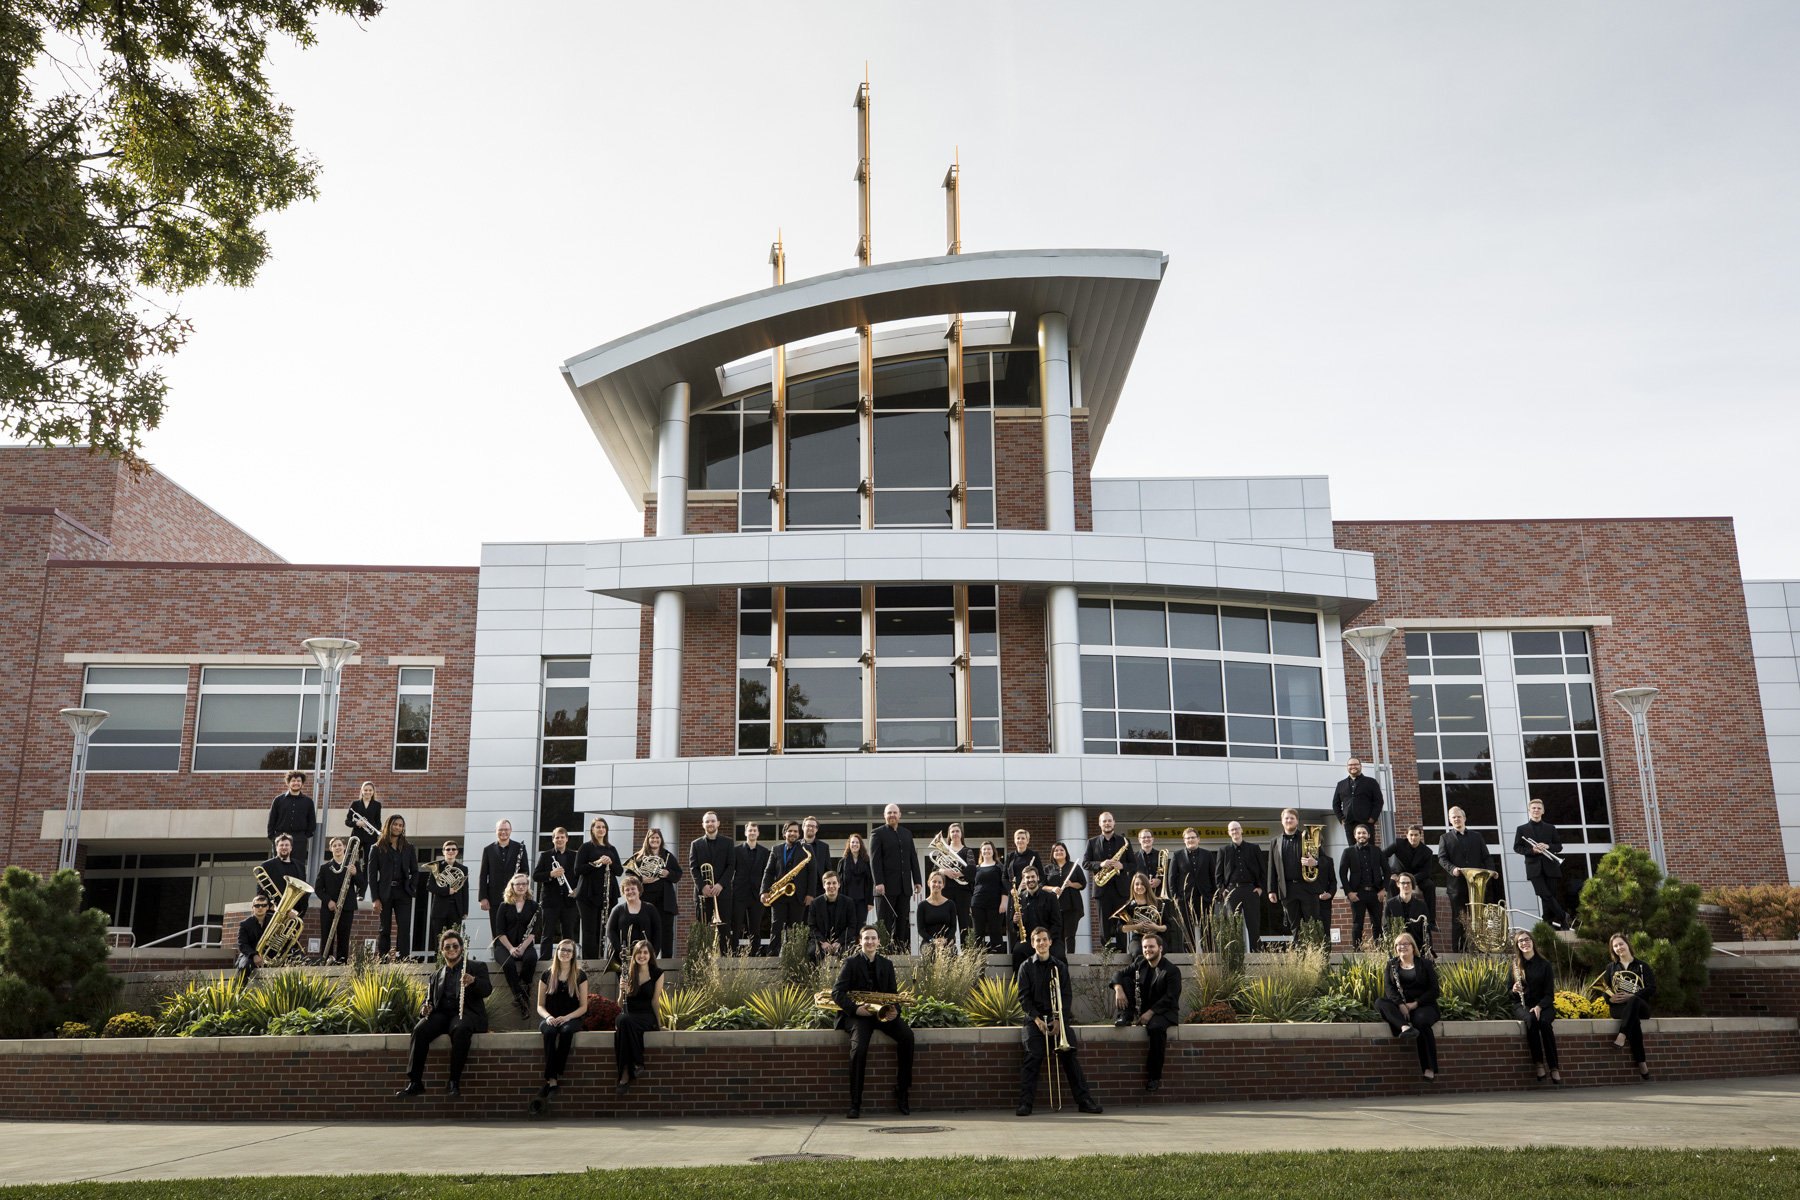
[[785, 885]]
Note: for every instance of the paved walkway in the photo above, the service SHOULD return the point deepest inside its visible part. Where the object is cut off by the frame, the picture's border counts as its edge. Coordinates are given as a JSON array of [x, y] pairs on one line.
[[1719, 1113]]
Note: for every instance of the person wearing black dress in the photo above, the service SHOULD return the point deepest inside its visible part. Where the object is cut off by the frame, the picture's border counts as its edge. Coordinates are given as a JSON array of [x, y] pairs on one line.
[[363, 820], [1148, 993], [832, 921], [597, 869], [1410, 855], [1629, 998], [393, 882], [937, 914], [562, 1003], [327, 887], [1408, 908], [1063, 878], [642, 987], [988, 904], [1409, 1000], [1534, 989], [632, 921], [455, 1004], [515, 945], [871, 971], [661, 893], [856, 883]]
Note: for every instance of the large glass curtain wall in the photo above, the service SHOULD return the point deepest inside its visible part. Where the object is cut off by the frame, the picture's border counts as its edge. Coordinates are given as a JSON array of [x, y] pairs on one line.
[[564, 743], [1451, 739], [1561, 732], [850, 659]]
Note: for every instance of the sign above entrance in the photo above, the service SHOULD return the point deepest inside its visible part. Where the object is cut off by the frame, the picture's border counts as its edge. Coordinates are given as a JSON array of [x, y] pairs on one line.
[[1206, 831]]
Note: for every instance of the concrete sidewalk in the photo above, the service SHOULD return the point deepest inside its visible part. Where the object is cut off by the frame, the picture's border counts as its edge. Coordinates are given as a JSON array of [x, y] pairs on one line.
[[1731, 1113]]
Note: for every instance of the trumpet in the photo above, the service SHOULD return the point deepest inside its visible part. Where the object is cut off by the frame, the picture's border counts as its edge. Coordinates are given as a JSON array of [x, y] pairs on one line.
[[1544, 850]]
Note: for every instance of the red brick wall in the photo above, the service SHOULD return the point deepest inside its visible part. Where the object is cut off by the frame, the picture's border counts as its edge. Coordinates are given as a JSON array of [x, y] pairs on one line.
[[109, 607], [1751, 992], [1024, 694], [708, 656], [1675, 592], [97, 1082]]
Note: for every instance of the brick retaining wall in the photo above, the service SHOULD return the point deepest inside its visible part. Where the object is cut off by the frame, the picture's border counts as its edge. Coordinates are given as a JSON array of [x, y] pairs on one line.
[[794, 1071]]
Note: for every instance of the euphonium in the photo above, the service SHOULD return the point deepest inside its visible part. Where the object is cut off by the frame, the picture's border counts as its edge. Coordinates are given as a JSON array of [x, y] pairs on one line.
[[945, 858], [1312, 838], [282, 938], [1488, 924]]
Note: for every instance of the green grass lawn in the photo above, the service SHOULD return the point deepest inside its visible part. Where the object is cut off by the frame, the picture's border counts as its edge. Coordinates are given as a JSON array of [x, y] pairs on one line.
[[1456, 1174]]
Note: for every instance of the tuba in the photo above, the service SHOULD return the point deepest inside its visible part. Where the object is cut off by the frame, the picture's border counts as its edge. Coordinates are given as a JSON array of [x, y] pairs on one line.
[[281, 940], [1488, 924], [1312, 838], [945, 858]]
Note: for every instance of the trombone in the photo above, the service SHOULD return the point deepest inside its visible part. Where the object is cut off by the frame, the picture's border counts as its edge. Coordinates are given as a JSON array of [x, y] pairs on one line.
[[1061, 1043]]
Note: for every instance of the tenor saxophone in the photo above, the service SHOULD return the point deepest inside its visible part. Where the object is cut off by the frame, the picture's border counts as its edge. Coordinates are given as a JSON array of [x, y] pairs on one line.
[[785, 885]]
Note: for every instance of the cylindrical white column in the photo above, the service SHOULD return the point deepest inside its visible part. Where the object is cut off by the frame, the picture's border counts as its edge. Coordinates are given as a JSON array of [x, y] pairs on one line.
[[669, 821], [671, 461], [1053, 394], [1061, 620], [1071, 830], [665, 674]]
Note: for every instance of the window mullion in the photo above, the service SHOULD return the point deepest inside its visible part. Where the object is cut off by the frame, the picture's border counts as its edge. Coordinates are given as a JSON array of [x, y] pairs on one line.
[[965, 728], [868, 662], [777, 668]]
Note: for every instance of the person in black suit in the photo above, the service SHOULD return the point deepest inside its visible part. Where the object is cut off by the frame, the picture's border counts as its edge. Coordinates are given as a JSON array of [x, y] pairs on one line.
[[1410, 855], [1191, 883], [1037, 908], [330, 883], [1042, 977], [393, 882], [712, 850], [1537, 840], [1148, 993], [555, 877], [1106, 852], [821, 858], [1241, 874], [831, 919], [597, 863], [1146, 859], [292, 812], [789, 909], [871, 971], [250, 935], [1460, 850], [456, 1004], [284, 866], [501, 859], [898, 880], [1363, 870], [363, 820], [1357, 800], [1288, 864], [449, 905], [748, 861]]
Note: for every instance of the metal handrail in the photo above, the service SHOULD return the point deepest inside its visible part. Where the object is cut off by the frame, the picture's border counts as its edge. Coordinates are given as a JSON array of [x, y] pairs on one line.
[[203, 926]]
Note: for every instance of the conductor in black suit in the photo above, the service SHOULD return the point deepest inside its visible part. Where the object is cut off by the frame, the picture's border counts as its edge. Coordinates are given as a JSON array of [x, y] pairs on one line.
[[894, 867], [1357, 801]]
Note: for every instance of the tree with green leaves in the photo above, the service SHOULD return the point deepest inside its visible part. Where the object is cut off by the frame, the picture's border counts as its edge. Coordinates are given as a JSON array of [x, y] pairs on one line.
[[1661, 918], [139, 144], [52, 955]]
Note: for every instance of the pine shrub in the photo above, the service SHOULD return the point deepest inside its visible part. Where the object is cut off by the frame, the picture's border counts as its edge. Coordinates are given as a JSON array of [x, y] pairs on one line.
[[52, 955], [1628, 894]]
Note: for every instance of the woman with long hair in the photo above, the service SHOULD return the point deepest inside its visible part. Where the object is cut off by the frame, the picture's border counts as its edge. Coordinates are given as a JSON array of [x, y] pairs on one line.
[[515, 943], [1409, 909], [1534, 985], [597, 870], [1068, 883], [988, 904], [1629, 984], [641, 988], [1409, 1001], [1142, 897], [936, 918], [393, 882], [363, 820], [661, 893], [562, 1002], [856, 883]]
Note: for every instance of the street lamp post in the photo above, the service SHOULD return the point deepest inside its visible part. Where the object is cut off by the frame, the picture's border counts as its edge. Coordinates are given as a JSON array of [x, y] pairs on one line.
[[81, 722], [1636, 702], [332, 654], [1370, 642]]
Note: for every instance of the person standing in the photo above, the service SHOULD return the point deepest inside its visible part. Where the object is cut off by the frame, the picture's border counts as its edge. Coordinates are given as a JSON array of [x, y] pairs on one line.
[[821, 858], [789, 909], [1364, 873], [292, 812], [748, 862], [1460, 850], [1409, 1001], [597, 868], [501, 859], [898, 880], [856, 880], [363, 820], [250, 936], [333, 915], [631, 920], [660, 891], [1147, 860], [1288, 864], [449, 891], [830, 919], [1537, 842], [871, 971], [1148, 993], [1241, 874], [1064, 879], [286, 865], [1105, 854], [988, 905], [1191, 883], [1022, 856], [1357, 800], [555, 876], [1045, 991], [393, 882], [712, 849], [1410, 855], [1534, 1004], [455, 1004], [959, 882]]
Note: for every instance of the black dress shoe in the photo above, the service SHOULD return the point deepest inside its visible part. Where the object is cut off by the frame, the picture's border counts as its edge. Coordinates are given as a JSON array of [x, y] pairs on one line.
[[901, 1104], [1153, 1085], [412, 1089], [1024, 1110], [1121, 1022], [1088, 1106], [453, 1091], [855, 1113], [621, 1089]]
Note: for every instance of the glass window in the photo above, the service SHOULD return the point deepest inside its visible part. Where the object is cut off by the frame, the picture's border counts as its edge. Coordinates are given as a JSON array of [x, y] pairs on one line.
[[1455, 768], [1295, 633], [1095, 621], [824, 450], [912, 450], [257, 719], [412, 719], [1143, 682], [564, 744], [147, 706], [824, 392], [1194, 626], [913, 383], [1139, 623], [713, 450], [976, 373], [1563, 764], [1015, 378], [1246, 630]]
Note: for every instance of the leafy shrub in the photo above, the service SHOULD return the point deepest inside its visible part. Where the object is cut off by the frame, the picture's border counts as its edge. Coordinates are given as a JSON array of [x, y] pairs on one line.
[[1224, 930], [1335, 1008], [1220, 1013], [932, 1013], [947, 974], [1573, 1006], [201, 998], [732, 978], [304, 1022], [1628, 894], [74, 1029], [1211, 984], [602, 1013], [796, 968], [995, 1002], [275, 993], [1272, 998], [385, 1000], [1479, 988], [1767, 913], [225, 1024], [52, 955], [1357, 979], [784, 1008], [679, 1008], [1092, 986], [745, 1017], [1312, 933], [130, 1025]]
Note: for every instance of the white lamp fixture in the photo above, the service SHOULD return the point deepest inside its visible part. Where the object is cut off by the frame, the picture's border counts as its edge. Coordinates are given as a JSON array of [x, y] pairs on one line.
[[81, 722], [1370, 642], [332, 654], [1636, 702]]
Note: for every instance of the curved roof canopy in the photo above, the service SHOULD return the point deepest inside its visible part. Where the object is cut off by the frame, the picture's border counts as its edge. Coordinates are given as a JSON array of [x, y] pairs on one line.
[[1106, 294]]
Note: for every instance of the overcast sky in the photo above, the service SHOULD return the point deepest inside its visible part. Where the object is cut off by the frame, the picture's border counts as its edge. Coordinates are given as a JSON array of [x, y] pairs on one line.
[[1530, 260]]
